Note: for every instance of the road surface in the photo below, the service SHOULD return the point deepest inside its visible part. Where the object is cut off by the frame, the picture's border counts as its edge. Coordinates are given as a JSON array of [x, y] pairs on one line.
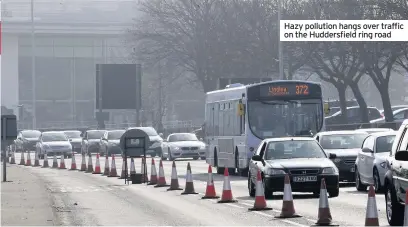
[[100, 200]]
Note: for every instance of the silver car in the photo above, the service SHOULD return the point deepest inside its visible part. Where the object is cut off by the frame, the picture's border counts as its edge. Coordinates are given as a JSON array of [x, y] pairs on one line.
[[183, 145], [54, 143], [371, 160]]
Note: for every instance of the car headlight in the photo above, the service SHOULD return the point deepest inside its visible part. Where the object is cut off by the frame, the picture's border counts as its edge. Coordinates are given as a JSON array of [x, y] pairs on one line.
[[276, 172], [329, 170], [383, 164], [337, 160], [175, 148], [202, 147]]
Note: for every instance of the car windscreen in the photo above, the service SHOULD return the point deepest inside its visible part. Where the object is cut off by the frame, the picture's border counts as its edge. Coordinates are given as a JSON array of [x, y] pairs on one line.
[[52, 137], [150, 131], [343, 141], [73, 134], [31, 134], [294, 149], [115, 135], [182, 137], [93, 135], [384, 143]]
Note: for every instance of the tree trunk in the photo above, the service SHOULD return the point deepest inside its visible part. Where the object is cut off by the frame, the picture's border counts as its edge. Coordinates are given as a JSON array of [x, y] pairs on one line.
[[341, 89], [385, 98], [361, 102]]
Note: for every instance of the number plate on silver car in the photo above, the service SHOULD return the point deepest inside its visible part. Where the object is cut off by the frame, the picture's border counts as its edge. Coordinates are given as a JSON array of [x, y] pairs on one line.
[[305, 178]]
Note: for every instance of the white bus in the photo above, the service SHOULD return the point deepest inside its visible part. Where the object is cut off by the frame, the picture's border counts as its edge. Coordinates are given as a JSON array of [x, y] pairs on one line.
[[239, 117]]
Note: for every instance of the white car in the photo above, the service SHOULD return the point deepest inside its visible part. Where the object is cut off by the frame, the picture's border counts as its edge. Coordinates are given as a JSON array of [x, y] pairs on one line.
[[54, 143], [183, 145], [371, 160]]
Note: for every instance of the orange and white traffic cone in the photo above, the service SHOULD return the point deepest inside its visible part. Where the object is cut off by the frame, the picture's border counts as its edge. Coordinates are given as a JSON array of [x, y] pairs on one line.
[[226, 196], [123, 173], [36, 160], [97, 165], [143, 171], [28, 162], [113, 172], [189, 189], [288, 208], [55, 162], [45, 164], [13, 158], [62, 162], [162, 179], [210, 190], [174, 183], [324, 215], [260, 201], [73, 162], [406, 209], [22, 161], [371, 212], [106, 169], [90, 165], [83, 164], [153, 174]]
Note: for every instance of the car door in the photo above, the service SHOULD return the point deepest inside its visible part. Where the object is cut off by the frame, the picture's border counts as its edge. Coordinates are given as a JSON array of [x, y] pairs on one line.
[[84, 143], [370, 160], [253, 167], [363, 157], [400, 168]]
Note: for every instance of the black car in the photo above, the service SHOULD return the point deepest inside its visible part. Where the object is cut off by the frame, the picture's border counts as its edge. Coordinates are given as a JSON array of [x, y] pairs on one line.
[[301, 158], [26, 140], [396, 177]]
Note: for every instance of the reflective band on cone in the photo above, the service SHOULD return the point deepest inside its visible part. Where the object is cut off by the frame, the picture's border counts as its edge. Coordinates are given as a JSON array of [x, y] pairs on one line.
[[324, 214], [113, 172], [162, 179], [106, 169], [97, 165], [83, 163], [260, 201], [189, 189], [73, 162], [36, 160], [226, 196], [288, 208], [28, 162], [45, 164], [62, 163], [143, 171], [371, 212], [90, 165], [55, 162], [210, 190], [174, 184], [153, 174]]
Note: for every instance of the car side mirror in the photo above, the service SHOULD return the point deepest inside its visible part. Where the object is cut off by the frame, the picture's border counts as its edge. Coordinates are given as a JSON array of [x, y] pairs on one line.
[[401, 156], [257, 158], [367, 150], [332, 156]]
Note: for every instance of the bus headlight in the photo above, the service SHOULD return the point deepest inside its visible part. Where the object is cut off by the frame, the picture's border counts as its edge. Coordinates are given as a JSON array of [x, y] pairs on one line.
[[276, 172]]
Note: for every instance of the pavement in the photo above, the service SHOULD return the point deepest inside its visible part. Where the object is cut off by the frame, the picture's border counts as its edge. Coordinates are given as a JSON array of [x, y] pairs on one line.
[[91, 199]]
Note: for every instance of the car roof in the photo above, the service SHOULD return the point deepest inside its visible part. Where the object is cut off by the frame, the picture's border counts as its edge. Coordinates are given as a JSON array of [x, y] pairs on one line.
[[289, 138], [52, 132], [95, 130], [71, 131], [345, 132], [117, 130], [387, 133], [181, 133], [374, 129]]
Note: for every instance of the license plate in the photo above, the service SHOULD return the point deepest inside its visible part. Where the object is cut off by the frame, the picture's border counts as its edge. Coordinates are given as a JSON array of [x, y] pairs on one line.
[[305, 179], [352, 170]]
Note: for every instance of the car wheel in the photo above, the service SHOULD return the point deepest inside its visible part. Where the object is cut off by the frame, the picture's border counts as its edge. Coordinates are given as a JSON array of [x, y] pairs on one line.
[[251, 187], [394, 210], [359, 186], [377, 182], [333, 192]]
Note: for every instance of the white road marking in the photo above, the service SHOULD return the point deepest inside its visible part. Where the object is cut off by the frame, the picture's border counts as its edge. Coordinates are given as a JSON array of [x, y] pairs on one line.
[[233, 205]]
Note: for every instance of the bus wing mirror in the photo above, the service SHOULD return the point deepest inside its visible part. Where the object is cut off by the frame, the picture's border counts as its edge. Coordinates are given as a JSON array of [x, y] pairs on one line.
[[241, 109]]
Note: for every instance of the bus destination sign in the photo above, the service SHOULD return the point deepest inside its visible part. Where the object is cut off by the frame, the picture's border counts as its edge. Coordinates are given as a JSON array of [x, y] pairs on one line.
[[289, 90]]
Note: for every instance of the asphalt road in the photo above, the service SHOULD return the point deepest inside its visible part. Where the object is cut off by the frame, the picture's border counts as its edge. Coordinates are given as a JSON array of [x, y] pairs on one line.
[[108, 201]]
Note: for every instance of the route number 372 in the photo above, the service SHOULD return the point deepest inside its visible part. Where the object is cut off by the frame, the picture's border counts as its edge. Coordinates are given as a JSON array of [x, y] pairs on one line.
[[302, 89]]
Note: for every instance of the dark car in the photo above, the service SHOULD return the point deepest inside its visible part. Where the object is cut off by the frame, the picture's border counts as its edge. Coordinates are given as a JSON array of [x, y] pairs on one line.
[[346, 145], [396, 177], [26, 140], [90, 141], [353, 115], [301, 158], [75, 139], [109, 143]]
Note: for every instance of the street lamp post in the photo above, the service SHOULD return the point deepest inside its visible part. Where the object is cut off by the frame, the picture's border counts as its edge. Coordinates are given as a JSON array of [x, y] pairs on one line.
[[281, 74], [33, 77]]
